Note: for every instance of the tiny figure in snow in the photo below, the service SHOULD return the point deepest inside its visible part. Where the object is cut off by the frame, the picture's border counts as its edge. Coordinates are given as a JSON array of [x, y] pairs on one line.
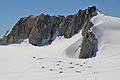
[[78, 71], [43, 67], [71, 67], [51, 69], [71, 62], [34, 57], [61, 72]]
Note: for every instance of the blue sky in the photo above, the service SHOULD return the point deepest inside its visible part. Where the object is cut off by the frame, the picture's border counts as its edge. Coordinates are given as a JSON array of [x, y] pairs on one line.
[[12, 10]]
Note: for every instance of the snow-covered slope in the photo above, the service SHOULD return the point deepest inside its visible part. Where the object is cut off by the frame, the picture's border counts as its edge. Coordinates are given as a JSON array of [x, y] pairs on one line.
[[107, 30], [53, 62], [56, 49]]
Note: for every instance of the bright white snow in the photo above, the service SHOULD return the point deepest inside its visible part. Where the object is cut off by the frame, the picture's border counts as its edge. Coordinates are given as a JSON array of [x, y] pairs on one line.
[[58, 61]]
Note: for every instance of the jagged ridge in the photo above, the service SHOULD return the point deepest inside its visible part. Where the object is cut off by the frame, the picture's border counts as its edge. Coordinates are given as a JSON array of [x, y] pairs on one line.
[[43, 29]]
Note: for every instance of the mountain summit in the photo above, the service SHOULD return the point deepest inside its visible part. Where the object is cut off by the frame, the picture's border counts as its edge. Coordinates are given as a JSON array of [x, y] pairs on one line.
[[43, 30]]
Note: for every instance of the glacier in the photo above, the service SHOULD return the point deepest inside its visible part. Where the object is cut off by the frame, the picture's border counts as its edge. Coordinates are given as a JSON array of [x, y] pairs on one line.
[[59, 61]]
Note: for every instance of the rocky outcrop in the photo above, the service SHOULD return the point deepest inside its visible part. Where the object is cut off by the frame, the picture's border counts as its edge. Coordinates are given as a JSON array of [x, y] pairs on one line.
[[43, 29], [89, 43], [89, 46]]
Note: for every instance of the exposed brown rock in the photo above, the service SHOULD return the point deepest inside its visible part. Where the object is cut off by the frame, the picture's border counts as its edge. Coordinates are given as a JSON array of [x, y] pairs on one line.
[[89, 42], [43, 29]]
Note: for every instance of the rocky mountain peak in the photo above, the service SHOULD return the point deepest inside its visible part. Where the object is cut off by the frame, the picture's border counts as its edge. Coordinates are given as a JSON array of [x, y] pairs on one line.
[[43, 29]]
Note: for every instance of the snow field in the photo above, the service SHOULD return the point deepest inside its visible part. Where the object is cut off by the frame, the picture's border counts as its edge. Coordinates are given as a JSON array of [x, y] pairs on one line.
[[58, 61]]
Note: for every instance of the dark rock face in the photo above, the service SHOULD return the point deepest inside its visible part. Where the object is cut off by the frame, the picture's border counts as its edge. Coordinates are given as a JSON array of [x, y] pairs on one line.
[[89, 42], [43, 29], [89, 46]]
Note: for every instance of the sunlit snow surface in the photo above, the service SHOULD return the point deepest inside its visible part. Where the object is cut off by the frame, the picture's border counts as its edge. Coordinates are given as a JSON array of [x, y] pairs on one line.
[[58, 61]]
